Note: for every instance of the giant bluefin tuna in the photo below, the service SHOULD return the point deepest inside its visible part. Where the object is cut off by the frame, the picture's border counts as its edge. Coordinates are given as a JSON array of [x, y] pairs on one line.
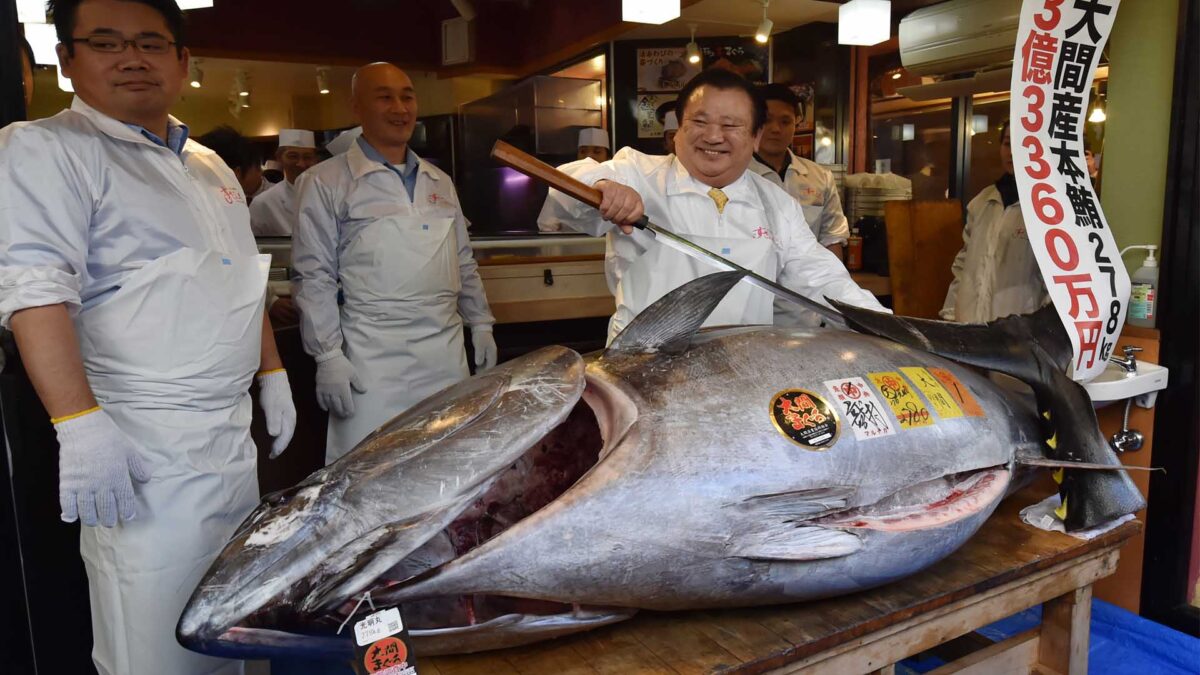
[[678, 469]]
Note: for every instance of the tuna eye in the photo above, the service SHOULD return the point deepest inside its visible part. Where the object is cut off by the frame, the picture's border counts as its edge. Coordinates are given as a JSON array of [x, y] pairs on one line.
[[279, 498]]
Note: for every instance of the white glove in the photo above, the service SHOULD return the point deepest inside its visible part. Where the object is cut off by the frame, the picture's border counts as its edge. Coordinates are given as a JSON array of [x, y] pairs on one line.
[[96, 461], [335, 377], [485, 347], [275, 397]]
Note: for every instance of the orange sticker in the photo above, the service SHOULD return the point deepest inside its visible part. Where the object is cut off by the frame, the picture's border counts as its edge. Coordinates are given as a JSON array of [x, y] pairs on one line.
[[906, 405], [386, 654], [959, 391], [941, 400]]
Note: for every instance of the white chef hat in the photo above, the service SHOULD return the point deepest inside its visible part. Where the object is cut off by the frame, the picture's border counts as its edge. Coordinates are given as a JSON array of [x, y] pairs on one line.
[[342, 143], [593, 136], [671, 121], [297, 138], [272, 165]]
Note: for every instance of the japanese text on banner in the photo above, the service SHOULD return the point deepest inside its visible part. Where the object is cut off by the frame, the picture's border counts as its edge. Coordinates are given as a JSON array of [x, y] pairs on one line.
[[1059, 43]]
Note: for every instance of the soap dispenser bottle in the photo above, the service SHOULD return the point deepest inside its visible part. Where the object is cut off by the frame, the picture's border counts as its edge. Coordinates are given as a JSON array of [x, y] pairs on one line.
[[1143, 297]]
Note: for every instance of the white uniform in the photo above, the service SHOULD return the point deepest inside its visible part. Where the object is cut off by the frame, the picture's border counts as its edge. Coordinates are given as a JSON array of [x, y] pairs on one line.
[[813, 186], [154, 259], [761, 229], [273, 212], [408, 277], [995, 272]]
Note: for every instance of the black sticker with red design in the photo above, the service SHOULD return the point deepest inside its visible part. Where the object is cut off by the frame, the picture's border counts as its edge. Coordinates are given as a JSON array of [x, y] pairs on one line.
[[805, 418]]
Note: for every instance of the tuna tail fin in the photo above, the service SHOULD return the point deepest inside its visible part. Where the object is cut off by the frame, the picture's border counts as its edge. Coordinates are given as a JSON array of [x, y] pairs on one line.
[[669, 324], [1034, 349]]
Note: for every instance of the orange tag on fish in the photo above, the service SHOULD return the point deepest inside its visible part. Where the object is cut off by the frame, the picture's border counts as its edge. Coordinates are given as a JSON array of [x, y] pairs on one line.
[[959, 391], [943, 404], [909, 410]]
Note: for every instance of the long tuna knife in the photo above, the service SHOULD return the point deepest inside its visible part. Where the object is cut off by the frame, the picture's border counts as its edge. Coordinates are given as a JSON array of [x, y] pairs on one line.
[[537, 169]]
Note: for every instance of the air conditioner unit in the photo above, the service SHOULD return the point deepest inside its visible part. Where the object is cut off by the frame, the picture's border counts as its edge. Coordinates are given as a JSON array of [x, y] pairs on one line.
[[959, 36], [457, 41]]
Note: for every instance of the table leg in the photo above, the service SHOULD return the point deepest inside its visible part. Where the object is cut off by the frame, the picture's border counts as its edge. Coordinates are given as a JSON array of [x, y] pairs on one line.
[[1063, 645]]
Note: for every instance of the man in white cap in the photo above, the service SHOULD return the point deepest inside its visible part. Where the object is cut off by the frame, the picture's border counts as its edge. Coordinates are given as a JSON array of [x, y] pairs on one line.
[[593, 143], [273, 213], [670, 128]]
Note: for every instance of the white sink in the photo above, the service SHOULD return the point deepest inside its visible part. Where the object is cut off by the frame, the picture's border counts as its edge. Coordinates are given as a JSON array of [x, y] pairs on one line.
[[1114, 384]]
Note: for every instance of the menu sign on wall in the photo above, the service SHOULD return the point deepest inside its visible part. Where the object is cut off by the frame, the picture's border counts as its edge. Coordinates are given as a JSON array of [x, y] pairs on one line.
[[1059, 44]]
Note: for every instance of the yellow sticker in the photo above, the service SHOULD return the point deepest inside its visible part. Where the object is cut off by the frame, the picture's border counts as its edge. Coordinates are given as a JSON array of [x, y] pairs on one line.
[[959, 391], [909, 410], [941, 400]]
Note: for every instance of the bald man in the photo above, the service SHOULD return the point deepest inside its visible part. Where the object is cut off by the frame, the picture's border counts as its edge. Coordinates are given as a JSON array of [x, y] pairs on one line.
[[387, 225]]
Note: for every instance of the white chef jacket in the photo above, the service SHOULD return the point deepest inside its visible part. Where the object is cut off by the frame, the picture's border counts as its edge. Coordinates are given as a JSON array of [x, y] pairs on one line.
[[995, 273], [678, 202], [273, 211], [814, 187], [78, 247], [338, 199]]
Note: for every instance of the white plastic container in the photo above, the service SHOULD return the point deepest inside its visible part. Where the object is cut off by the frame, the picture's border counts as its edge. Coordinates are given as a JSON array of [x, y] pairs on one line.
[[1143, 296]]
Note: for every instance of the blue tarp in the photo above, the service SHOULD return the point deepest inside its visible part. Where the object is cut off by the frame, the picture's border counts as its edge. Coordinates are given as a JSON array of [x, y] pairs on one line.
[[1122, 643]]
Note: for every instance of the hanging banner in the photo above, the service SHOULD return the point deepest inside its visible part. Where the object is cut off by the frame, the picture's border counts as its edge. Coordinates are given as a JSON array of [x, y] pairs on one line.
[[1058, 47]]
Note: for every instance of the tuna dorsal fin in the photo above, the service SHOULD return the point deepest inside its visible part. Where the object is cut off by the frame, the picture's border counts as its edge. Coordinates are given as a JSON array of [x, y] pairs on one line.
[[1035, 349], [668, 325]]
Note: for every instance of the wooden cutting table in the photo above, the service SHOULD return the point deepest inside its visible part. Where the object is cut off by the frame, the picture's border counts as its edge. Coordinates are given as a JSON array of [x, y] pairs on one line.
[[1006, 568]]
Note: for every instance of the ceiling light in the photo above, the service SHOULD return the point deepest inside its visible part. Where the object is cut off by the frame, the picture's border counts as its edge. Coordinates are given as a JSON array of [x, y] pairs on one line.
[[241, 84], [42, 39], [31, 11], [323, 80], [1097, 115], [864, 22], [896, 75], [194, 4], [693, 49], [195, 75], [649, 11], [245, 100], [763, 33]]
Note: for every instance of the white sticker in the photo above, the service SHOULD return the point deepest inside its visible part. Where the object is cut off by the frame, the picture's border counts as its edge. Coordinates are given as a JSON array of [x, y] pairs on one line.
[[377, 626], [861, 410]]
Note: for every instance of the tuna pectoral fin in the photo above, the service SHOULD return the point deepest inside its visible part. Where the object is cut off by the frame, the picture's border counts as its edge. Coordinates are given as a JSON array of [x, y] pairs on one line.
[[787, 541], [794, 505], [1035, 349], [668, 324]]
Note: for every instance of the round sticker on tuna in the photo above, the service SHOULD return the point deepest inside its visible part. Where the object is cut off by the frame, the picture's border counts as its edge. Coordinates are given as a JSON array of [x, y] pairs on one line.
[[805, 418]]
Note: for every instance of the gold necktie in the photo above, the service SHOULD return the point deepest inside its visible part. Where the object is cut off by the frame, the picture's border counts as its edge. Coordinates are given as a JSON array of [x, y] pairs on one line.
[[720, 199]]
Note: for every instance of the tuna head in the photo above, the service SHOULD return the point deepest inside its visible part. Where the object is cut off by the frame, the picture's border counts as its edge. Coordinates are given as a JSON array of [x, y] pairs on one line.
[[304, 552]]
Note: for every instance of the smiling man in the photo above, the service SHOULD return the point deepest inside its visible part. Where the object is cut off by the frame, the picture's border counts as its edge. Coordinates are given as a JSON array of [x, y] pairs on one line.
[[131, 282], [386, 226], [705, 193]]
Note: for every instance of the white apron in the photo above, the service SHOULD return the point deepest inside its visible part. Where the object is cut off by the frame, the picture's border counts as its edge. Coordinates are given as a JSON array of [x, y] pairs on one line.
[[662, 269], [400, 324], [170, 357]]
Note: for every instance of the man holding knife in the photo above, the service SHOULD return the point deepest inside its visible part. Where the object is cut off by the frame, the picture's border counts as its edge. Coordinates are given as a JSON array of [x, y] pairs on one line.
[[706, 194]]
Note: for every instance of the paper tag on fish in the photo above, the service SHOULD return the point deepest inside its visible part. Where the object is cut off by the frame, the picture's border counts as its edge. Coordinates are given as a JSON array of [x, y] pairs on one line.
[[959, 391], [909, 410], [862, 410], [383, 645], [943, 404], [378, 625]]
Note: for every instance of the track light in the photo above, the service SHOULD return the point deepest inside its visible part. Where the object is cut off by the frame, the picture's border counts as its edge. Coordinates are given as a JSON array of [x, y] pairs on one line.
[[323, 80], [1097, 115], [195, 75], [240, 84], [693, 49], [245, 100], [764, 29]]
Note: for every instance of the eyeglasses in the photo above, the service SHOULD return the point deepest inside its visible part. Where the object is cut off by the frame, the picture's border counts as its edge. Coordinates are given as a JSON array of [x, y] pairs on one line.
[[110, 44]]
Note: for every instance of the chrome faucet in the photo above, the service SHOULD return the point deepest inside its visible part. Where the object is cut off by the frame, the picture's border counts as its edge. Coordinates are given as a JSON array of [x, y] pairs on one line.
[[1129, 363]]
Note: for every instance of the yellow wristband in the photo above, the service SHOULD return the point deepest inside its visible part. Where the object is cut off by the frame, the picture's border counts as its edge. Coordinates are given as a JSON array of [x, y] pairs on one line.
[[81, 413], [268, 372]]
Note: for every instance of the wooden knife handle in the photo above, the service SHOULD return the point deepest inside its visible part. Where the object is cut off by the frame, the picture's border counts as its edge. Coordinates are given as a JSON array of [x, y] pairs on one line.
[[537, 169]]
